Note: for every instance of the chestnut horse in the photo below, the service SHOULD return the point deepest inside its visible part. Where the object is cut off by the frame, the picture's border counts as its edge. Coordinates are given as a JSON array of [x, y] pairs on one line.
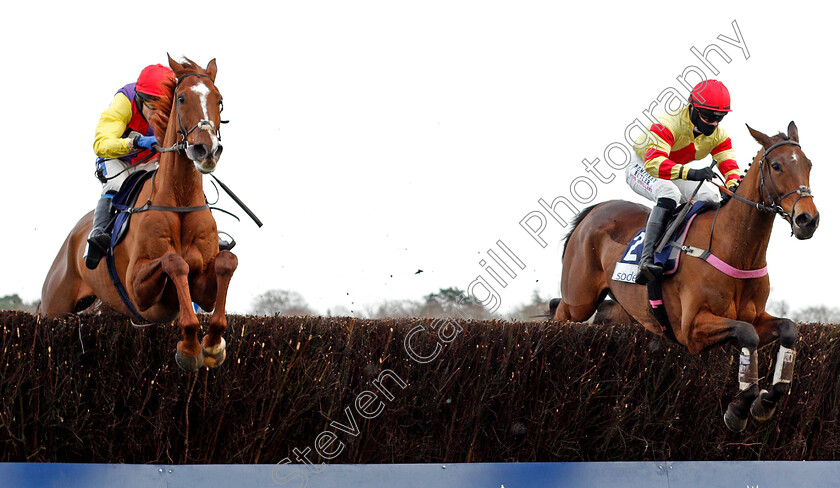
[[706, 307], [170, 256]]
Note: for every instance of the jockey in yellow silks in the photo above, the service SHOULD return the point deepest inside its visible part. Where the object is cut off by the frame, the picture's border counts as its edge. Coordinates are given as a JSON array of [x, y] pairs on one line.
[[124, 143], [658, 170]]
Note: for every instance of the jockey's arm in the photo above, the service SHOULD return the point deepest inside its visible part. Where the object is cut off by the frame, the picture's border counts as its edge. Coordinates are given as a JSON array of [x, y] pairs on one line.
[[656, 154], [109, 142], [725, 157]]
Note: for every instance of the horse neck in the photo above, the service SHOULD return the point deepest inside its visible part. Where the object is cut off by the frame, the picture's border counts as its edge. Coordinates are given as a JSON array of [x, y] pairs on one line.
[[742, 232], [177, 182]]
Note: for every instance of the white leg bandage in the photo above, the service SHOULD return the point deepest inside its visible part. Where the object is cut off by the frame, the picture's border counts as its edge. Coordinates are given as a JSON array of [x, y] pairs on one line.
[[748, 369], [784, 365]]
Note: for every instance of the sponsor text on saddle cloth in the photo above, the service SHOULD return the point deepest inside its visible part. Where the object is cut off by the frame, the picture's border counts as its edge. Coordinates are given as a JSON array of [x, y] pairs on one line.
[[628, 267]]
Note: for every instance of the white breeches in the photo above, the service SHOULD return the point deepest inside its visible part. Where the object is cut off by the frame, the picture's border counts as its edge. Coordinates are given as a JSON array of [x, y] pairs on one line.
[[117, 170], [654, 188]]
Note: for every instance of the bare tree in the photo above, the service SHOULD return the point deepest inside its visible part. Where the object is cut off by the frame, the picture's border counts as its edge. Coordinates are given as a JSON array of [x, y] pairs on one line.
[[280, 302], [537, 309], [394, 309], [819, 314]]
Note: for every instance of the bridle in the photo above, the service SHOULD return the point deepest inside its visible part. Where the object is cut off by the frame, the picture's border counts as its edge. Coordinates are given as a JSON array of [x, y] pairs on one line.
[[768, 191], [183, 145]]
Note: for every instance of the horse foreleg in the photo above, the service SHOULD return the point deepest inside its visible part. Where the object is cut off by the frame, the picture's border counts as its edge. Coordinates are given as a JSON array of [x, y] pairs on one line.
[[147, 285], [213, 344], [769, 327], [709, 329]]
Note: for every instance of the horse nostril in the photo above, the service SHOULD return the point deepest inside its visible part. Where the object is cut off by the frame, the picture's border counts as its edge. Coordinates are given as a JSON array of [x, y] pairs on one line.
[[804, 220], [200, 151], [218, 152]]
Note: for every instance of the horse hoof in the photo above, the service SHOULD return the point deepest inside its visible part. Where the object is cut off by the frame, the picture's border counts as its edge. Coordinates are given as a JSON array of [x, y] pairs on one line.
[[215, 360], [188, 363], [734, 422], [761, 410], [215, 355]]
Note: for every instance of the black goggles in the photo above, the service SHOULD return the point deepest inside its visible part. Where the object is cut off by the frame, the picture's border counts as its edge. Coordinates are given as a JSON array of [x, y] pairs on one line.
[[710, 115]]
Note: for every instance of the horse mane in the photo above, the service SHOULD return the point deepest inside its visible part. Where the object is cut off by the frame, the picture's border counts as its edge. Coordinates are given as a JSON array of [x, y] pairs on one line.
[[575, 222], [781, 136], [162, 106]]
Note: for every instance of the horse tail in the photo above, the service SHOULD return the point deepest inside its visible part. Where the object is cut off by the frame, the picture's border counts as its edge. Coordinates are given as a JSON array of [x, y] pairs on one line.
[[575, 222]]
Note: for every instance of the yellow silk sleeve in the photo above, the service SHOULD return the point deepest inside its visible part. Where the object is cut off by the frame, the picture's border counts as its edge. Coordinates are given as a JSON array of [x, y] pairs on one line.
[[109, 142]]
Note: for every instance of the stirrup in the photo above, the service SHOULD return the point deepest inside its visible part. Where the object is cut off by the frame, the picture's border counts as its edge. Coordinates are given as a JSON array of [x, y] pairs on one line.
[[649, 273], [225, 245]]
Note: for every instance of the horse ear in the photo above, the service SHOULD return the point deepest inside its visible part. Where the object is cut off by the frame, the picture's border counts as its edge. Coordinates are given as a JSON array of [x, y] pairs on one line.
[[793, 132], [759, 136], [211, 69], [175, 65]]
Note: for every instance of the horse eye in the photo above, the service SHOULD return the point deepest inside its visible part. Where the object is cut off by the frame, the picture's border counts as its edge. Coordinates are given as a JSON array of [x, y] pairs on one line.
[[776, 166], [181, 99]]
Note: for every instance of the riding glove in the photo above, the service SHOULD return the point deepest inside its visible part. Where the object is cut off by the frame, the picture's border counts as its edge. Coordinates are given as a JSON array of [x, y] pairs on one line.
[[146, 142], [700, 174]]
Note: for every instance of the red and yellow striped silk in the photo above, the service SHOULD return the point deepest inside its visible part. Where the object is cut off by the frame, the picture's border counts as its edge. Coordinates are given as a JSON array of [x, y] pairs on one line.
[[671, 144]]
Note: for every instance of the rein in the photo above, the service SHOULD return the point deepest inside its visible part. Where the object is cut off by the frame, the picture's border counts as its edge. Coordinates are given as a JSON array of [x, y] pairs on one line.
[[185, 148], [775, 199]]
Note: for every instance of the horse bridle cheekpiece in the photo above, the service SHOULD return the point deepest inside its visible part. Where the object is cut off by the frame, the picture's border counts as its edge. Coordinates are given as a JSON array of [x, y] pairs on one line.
[[774, 198], [202, 125]]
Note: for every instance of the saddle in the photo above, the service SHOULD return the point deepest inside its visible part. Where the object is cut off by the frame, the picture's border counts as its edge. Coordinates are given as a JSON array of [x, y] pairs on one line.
[[125, 198], [669, 257]]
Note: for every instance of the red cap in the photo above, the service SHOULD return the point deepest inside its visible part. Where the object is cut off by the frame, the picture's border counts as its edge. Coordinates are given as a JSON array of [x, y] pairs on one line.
[[711, 95], [151, 79]]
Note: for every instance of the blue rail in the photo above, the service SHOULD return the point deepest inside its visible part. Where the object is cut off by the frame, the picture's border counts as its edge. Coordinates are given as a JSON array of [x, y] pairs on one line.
[[735, 474]]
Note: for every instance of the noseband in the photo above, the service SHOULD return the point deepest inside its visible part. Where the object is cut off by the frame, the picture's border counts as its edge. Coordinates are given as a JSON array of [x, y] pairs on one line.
[[769, 193]]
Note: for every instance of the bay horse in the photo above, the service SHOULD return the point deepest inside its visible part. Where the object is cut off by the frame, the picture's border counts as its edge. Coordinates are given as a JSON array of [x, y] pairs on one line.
[[170, 255], [706, 307]]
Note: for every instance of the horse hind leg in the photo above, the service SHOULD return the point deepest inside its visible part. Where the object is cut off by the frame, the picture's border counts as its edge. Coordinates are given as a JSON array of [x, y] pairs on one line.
[[213, 344], [64, 291], [561, 311], [764, 406]]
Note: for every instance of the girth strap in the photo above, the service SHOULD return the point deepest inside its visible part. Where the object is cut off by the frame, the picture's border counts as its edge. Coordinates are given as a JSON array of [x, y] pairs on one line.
[[721, 265], [133, 210]]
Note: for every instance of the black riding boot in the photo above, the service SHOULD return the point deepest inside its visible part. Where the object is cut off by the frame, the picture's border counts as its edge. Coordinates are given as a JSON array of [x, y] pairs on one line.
[[648, 270], [98, 240]]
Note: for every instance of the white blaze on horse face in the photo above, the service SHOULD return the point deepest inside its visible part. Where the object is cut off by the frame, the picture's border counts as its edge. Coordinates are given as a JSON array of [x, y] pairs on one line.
[[202, 91]]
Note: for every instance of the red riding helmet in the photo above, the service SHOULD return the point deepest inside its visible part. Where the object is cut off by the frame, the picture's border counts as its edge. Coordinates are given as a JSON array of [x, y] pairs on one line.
[[711, 95], [151, 80]]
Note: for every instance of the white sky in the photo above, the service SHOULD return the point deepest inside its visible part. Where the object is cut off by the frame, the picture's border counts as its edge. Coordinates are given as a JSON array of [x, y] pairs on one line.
[[378, 138]]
